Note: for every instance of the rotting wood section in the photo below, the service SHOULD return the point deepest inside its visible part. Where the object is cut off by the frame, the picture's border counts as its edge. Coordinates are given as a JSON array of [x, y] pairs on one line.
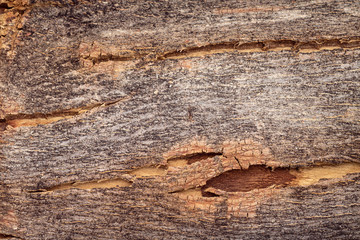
[[163, 100]]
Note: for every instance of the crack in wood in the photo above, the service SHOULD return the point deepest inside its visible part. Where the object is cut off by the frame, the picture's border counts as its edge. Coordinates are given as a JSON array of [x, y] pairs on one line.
[[98, 53], [240, 174], [243, 191], [103, 183], [106, 57], [4, 6], [263, 46], [8, 236], [261, 176], [144, 172], [257, 176], [148, 172], [239, 166], [19, 120], [192, 157], [313, 174]]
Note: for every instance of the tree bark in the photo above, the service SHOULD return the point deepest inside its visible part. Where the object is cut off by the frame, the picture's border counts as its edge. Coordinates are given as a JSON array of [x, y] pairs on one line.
[[180, 119]]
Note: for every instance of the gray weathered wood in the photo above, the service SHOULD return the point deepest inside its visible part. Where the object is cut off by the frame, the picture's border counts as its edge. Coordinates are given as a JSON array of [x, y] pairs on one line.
[[92, 91]]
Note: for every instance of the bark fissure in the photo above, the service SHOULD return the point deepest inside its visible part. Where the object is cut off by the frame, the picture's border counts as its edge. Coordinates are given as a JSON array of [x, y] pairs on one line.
[[195, 157], [257, 176], [113, 58], [102, 183], [96, 57], [263, 176], [4, 6], [271, 45], [19, 120], [238, 161], [8, 236]]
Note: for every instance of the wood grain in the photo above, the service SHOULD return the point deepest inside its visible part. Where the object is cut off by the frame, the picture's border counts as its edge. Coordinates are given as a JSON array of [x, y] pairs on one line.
[[117, 115]]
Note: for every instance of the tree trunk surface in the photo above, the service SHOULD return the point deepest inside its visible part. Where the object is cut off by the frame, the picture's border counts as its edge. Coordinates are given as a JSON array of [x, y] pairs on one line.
[[180, 119]]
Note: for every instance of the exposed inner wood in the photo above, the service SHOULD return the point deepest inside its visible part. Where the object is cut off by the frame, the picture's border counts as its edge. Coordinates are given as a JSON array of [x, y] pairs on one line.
[[234, 187], [23, 120], [312, 175], [194, 157], [260, 176], [106, 183], [257, 176], [235, 180], [7, 236], [149, 172], [195, 193], [177, 163], [203, 192]]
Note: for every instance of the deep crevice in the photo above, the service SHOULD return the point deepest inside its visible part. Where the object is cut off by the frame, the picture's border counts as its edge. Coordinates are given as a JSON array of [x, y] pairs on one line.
[[4, 6], [262, 176], [238, 161], [207, 48], [257, 46], [7, 236], [102, 183], [195, 157], [18, 120], [113, 58], [271, 45], [208, 194], [257, 176]]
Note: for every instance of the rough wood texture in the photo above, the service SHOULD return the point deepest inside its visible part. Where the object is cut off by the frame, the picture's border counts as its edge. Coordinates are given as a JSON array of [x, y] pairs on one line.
[[125, 119]]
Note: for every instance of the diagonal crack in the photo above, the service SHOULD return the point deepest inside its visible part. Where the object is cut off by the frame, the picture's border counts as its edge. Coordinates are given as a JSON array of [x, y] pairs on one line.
[[8, 236], [18, 120], [238, 161]]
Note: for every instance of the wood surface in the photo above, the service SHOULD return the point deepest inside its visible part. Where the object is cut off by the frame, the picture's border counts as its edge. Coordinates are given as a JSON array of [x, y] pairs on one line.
[[180, 119]]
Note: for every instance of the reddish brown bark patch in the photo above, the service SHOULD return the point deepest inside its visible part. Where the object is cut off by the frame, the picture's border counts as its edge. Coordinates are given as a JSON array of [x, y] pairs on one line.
[[257, 176]]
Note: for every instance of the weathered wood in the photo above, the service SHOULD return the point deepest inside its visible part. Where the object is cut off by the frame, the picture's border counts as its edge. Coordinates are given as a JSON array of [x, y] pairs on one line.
[[123, 120]]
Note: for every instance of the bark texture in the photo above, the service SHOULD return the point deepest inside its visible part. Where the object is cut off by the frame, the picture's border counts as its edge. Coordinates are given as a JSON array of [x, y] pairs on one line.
[[180, 119]]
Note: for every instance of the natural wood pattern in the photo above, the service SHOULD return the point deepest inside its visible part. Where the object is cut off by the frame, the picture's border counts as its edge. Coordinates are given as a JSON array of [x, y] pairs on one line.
[[116, 115]]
